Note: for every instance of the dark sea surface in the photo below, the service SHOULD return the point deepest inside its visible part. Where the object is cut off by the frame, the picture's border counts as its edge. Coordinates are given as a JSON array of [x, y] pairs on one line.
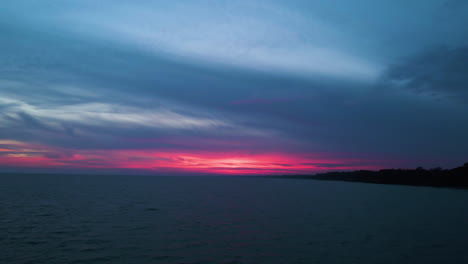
[[141, 219]]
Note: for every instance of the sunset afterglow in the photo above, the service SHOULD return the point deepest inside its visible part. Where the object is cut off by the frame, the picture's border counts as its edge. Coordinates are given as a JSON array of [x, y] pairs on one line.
[[231, 87], [167, 161]]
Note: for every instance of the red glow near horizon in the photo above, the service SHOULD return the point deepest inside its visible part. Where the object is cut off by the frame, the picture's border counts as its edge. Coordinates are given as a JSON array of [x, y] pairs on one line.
[[174, 161]]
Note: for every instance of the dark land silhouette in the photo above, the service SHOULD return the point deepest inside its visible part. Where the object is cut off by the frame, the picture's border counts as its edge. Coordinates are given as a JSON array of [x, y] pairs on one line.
[[437, 177]]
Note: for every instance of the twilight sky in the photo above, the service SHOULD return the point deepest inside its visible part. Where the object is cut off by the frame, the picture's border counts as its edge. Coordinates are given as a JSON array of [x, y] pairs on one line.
[[232, 87]]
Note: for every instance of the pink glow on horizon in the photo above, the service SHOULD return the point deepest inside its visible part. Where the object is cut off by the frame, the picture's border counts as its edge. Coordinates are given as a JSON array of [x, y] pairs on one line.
[[6, 150], [174, 161]]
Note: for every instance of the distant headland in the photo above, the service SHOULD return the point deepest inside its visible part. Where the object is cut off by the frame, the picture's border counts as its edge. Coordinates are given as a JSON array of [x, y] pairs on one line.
[[437, 177]]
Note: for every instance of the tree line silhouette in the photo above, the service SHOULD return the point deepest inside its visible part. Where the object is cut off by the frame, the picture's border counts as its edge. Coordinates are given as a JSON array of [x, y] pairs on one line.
[[437, 177]]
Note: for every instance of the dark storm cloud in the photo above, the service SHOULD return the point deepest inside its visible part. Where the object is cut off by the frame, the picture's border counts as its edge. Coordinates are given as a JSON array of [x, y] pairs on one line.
[[456, 4], [439, 71]]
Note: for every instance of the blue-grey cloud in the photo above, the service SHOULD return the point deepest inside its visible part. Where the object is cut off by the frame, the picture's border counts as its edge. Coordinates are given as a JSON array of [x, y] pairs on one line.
[[343, 77], [439, 71]]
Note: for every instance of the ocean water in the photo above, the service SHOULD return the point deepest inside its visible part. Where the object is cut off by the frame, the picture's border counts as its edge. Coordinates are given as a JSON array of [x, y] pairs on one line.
[[140, 219]]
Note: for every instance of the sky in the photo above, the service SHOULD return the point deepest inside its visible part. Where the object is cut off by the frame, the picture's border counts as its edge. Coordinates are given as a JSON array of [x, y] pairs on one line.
[[246, 87]]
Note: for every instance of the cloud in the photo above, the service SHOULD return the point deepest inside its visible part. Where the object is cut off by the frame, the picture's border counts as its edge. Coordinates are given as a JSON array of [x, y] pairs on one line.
[[257, 35], [262, 101], [115, 119], [100, 114], [455, 4], [439, 71], [247, 76]]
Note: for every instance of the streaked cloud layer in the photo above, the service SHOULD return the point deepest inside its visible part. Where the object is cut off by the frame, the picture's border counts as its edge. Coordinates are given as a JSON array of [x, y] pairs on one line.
[[279, 40], [266, 86]]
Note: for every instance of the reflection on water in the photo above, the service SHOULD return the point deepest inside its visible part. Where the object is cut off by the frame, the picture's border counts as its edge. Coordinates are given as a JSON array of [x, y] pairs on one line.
[[137, 219]]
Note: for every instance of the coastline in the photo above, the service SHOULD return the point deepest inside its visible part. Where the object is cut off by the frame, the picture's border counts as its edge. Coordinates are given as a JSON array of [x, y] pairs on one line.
[[450, 178]]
